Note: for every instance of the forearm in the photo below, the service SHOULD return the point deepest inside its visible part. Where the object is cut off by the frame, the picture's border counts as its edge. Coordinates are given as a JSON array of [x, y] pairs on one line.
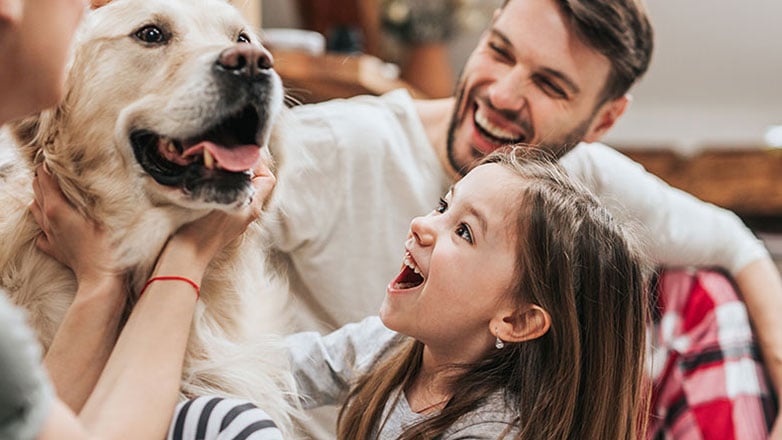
[[141, 379], [84, 340], [761, 288]]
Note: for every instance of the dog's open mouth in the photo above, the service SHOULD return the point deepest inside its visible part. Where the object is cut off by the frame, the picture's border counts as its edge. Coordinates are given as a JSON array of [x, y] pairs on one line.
[[222, 157]]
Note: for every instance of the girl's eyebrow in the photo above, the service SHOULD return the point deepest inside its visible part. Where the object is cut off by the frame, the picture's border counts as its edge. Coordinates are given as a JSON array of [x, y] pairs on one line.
[[473, 211]]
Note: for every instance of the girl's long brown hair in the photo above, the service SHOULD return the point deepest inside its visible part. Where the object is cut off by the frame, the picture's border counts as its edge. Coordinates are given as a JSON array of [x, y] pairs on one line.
[[584, 378]]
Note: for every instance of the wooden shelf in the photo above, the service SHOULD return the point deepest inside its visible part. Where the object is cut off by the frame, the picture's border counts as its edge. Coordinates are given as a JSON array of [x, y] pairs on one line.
[[314, 78], [746, 181]]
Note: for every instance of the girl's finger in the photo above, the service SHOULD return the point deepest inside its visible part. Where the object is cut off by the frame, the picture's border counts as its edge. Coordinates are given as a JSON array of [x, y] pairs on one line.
[[48, 184], [263, 182], [261, 169], [44, 245], [37, 191], [35, 210]]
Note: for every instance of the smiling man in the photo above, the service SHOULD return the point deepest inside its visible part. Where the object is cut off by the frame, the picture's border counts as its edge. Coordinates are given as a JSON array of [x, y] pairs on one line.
[[555, 74], [533, 80]]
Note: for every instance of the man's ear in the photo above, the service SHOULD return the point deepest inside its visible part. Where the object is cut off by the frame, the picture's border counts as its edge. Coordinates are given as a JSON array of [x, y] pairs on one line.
[[524, 323], [606, 117]]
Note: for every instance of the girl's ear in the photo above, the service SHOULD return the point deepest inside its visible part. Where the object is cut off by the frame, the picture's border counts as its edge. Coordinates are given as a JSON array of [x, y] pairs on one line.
[[521, 324]]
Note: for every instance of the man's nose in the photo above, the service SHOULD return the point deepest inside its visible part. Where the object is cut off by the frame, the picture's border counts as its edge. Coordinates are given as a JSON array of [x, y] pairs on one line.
[[509, 90]]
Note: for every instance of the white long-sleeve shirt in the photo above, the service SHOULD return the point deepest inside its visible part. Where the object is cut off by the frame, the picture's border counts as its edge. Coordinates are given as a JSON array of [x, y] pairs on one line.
[[372, 169]]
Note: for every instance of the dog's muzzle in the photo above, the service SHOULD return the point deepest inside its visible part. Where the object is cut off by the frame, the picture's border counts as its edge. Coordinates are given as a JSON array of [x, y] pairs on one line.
[[216, 165]]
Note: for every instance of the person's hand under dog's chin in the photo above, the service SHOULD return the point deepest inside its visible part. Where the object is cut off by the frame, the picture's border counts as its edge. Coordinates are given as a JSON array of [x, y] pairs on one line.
[[206, 236]]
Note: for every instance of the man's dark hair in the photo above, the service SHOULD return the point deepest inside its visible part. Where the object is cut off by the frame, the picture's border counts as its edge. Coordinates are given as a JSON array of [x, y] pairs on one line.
[[618, 29]]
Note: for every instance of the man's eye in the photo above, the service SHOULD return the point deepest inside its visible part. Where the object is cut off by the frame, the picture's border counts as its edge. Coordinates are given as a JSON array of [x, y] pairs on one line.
[[551, 89], [463, 231], [442, 206], [499, 51], [151, 34]]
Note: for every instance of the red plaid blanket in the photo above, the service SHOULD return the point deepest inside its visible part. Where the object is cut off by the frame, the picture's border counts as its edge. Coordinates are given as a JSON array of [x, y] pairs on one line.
[[709, 381]]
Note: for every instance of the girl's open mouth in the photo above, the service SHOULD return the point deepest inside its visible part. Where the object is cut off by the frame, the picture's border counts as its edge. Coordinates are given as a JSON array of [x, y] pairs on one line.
[[409, 277]]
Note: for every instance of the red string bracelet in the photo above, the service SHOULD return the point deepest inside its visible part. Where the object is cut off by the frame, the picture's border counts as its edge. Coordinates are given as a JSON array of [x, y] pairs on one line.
[[172, 278]]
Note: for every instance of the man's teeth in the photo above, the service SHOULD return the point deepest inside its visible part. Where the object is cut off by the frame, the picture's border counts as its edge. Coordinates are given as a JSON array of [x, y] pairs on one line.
[[409, 263], [209, 160], [492, 129]]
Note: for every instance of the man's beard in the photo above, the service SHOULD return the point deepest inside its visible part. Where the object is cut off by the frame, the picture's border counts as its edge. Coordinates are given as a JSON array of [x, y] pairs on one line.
[[461, 168], [556, 147]]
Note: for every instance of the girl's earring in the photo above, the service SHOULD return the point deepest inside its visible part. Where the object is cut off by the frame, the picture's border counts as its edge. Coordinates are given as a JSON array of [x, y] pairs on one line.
[[499, 343]]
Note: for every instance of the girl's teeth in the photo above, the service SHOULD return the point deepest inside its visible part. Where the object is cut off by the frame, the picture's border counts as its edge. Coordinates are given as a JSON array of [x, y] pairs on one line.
[[409, 263]]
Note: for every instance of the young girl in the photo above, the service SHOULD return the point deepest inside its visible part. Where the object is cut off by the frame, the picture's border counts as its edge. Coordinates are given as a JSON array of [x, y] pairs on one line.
[[519, 312]]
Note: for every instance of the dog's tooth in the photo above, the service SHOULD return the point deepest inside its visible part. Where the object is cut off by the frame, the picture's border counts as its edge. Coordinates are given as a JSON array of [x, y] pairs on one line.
[[170, 146], [209, 160]]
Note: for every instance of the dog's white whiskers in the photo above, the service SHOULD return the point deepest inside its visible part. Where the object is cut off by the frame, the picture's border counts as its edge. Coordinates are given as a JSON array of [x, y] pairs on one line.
[[291, 100]]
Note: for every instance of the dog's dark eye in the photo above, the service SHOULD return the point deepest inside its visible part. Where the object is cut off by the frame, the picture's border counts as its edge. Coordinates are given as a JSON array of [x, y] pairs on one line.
[[151, 34], [243, 38]]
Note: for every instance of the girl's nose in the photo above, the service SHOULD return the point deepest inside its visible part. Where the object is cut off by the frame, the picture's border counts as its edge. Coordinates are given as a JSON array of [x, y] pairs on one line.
[[423, 231]]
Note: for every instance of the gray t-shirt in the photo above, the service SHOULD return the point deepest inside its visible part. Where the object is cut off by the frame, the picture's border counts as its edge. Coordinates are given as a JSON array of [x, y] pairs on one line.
[[25, 392], [326, 366]]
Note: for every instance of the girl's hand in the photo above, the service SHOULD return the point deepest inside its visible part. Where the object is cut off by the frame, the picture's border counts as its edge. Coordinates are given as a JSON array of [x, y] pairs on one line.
[[77, 242], [205, 237]]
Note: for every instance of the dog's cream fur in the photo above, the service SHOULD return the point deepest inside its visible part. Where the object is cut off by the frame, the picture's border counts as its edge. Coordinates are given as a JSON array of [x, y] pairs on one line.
[[115, 85]]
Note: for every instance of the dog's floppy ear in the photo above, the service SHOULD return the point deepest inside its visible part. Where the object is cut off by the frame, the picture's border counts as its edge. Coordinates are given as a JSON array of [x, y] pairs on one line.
[[95, 4], [25, 132], [32, 132]]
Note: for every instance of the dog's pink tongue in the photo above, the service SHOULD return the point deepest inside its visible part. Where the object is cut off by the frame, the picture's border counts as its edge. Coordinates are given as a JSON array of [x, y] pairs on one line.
[[237, 158]]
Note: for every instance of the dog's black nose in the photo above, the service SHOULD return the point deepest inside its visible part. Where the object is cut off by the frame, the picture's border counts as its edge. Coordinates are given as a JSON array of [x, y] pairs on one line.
[[245, 60]]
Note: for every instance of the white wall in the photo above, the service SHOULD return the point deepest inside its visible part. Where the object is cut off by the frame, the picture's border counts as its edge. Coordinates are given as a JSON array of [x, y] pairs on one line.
[[715, 77]]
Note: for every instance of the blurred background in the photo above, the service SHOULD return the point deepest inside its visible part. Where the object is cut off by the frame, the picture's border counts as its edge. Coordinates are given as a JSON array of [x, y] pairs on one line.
[[707, 117], [715, 78]]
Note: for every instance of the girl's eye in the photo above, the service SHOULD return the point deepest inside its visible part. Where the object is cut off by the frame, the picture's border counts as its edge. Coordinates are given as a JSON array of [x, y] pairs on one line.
[[152, 35], [243, 38], [442, 206], [463, 231]]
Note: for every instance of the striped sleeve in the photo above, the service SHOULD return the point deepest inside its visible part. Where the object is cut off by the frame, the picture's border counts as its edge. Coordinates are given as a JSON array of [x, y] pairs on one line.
[[218, 418]]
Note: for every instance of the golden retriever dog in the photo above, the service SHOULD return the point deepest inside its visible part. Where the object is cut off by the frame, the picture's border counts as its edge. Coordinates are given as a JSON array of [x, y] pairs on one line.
[[169, 105]]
